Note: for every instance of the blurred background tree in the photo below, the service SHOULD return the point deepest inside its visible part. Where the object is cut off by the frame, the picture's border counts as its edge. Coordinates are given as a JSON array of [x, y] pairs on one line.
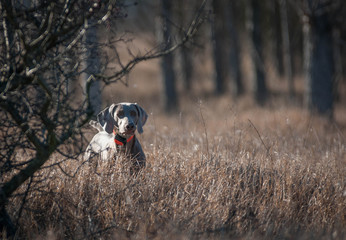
[[301, 42], [320, 20], [166, 35]]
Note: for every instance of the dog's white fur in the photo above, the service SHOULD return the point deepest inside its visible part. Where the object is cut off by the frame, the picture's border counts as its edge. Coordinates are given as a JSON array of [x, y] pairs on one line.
[[124, 119]]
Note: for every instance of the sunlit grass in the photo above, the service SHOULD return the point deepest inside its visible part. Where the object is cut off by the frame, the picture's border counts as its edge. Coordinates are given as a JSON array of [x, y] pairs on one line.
[[212, 172]]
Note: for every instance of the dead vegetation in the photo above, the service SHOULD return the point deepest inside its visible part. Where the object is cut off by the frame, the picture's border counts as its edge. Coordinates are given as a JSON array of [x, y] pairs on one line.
[[210, 175]]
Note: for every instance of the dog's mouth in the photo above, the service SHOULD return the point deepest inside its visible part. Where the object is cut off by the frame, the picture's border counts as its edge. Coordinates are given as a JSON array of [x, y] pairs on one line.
[[132, 132], [128, 133]]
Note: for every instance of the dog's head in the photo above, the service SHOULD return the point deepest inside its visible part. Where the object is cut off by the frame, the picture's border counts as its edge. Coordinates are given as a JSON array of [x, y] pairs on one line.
[[125, 117]]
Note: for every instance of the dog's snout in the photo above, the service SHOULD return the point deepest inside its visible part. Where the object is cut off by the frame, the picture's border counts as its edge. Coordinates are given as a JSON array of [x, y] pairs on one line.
[[130, 126]]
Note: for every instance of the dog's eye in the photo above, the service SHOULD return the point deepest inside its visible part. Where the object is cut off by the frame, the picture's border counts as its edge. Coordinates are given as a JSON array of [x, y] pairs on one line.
[[133, 113], [120, 114]]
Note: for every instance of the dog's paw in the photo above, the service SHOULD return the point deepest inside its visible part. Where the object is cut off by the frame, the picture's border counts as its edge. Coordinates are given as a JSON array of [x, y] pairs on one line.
[[96, 125]]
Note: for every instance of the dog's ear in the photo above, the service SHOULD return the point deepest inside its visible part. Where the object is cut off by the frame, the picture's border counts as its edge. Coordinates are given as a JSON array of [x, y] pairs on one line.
[[106, 118], [142, 118]]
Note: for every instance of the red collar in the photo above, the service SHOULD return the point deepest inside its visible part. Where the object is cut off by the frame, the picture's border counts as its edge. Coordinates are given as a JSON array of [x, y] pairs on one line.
[[121, 141]]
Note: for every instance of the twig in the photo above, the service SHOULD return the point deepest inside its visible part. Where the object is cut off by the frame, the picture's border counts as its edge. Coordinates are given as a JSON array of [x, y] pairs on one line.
[[195, 24], [205, 129], [260, 137]]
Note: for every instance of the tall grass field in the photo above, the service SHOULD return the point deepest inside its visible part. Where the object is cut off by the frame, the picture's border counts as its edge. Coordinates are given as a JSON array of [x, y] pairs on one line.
[[214, 171]]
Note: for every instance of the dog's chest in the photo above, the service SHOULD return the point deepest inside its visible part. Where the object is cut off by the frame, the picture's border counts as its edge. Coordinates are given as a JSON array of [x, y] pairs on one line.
[[123, 149]]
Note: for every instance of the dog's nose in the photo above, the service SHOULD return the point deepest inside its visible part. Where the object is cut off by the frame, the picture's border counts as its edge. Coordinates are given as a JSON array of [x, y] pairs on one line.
[[130, 126]]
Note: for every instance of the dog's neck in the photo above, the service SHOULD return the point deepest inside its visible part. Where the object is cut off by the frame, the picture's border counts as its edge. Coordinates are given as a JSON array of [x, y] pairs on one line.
[[121, 140]]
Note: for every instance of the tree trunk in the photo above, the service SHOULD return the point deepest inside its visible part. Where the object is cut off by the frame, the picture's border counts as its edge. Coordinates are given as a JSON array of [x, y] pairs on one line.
[[320, 63], [286, 47], [185, 61], [91, 66], [169, 88], [6, 224], [218, 41], [259, 81], [279, 65], [338, 63], [307, 50], [234, 56]]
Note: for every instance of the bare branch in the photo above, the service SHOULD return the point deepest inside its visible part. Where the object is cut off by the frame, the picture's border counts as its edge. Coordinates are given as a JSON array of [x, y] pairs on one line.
[[191, 31]]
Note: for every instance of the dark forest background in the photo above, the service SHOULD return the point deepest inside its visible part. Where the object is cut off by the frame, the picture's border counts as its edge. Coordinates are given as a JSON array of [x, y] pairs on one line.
[[247, 48], [302, 43]]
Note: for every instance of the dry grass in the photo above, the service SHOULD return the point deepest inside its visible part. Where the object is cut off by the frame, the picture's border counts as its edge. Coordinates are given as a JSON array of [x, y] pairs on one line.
[[219, 169], [211, 174]]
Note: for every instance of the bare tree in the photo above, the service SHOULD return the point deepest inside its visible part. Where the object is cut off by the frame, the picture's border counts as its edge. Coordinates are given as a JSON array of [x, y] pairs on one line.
[[318, 57], [234, 55], [259, 81], [167, 66], [286, 46], [219, 33], [226, 48], [39, 116], [183, 14], [277, 34], [91, 65]]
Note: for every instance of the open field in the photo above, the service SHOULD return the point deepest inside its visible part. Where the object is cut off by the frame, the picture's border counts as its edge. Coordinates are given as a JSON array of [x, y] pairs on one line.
[[218, 169], [213, 172]]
